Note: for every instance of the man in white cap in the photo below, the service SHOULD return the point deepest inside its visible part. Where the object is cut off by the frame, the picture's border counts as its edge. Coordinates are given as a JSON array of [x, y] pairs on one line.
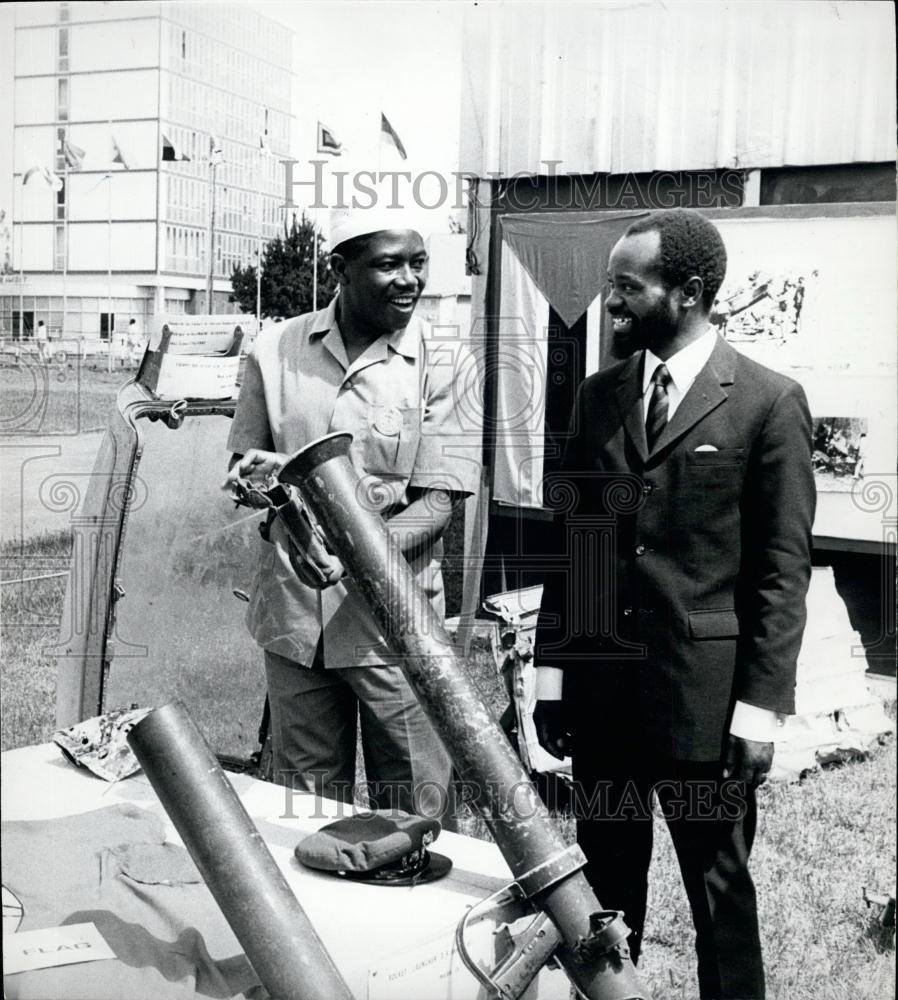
[[366, 365]]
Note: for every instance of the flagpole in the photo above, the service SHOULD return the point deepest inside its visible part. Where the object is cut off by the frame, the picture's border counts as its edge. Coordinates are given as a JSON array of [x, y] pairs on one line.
[[110, 324], [65, 240], [210, 279], [315, 268], [22, 261], [259, 245]]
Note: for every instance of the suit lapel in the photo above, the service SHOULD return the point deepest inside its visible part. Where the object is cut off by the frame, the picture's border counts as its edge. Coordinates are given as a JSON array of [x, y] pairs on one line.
[[629, 401], [705, 394]]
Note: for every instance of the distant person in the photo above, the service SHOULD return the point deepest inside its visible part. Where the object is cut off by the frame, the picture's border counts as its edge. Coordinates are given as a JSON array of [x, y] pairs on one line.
[[860, 457], [41, 341], [720, 315], [798, 302], [779, 321], [135, 344], [839, 443]]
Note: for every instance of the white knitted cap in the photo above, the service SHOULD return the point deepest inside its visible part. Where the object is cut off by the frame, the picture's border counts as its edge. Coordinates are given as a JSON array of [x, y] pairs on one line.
[[348, 223]]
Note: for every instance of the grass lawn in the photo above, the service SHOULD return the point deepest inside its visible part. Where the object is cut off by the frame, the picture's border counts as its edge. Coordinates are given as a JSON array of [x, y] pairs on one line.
[[819, 841], [57, 398], [180, 634]]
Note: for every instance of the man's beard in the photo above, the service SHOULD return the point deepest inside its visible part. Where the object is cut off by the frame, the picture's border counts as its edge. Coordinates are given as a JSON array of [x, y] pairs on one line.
[[651, 331]]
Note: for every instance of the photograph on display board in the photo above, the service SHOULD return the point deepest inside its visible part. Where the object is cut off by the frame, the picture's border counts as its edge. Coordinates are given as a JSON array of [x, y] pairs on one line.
[[813, 297], [784, 300], [840, 452], [763, 306]]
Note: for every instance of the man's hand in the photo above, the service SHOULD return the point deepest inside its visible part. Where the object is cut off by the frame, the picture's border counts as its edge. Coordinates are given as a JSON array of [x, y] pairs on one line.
[[315, 566], [551, 728], [255, 465], [748, 761]]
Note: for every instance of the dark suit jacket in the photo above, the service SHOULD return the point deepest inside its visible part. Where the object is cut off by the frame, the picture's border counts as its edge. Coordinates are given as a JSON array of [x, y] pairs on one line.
[[683, 582]]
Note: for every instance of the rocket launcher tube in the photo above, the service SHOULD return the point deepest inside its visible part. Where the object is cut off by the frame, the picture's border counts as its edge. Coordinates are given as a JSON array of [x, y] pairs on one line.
[[250, 889], [593, 952]]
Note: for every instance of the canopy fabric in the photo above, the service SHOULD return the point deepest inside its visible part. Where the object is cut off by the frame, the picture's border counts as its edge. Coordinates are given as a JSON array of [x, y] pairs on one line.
[[629, 87]]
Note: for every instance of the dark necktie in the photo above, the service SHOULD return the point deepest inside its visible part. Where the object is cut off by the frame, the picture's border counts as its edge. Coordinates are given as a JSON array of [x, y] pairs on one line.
[[656, 418]]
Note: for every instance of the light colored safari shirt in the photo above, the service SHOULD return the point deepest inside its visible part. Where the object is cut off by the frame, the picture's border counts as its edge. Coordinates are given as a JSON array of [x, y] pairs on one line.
[[412, 403]]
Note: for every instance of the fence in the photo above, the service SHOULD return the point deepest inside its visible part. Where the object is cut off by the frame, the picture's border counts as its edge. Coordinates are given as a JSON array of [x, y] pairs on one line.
[[70, 351]]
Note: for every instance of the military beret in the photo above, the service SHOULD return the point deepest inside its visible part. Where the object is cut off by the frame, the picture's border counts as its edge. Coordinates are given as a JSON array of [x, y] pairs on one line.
[[388, 848]]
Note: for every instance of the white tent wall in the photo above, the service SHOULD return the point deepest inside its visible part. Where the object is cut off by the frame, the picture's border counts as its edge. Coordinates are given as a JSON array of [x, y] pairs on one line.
[[627, 87]]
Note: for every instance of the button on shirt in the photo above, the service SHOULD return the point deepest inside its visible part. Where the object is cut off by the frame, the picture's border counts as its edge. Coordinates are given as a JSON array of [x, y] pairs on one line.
[[749, 721], [401, 402]]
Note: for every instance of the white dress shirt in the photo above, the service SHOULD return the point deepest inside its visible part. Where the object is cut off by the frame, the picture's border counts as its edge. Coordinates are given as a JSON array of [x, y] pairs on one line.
[[683, 368], [749, 721]]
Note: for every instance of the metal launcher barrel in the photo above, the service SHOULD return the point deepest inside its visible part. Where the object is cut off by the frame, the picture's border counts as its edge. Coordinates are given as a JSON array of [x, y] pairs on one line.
[[593, 950], [277, 936]]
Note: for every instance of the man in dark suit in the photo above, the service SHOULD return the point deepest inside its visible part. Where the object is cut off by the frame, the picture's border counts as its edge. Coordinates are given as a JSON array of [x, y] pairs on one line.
[[667, 657]]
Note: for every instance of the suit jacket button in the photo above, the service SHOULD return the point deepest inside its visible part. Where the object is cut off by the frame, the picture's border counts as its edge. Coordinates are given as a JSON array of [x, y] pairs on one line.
[[640, 550]]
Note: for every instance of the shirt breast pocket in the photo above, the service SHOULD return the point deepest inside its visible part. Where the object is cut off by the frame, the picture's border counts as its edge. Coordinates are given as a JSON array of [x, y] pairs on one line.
[[394, 433]]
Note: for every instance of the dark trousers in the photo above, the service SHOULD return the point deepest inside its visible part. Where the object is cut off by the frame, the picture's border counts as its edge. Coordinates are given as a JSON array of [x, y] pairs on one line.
[[712, 825]]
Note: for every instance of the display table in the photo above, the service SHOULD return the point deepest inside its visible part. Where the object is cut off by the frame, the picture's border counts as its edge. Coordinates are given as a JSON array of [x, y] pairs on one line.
[[388, 942]]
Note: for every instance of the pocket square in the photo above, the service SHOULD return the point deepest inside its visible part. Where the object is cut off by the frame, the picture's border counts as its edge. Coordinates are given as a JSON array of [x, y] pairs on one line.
[[707, 447]]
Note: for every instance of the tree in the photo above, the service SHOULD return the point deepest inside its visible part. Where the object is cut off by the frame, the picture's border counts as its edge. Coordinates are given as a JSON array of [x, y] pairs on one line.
[[286, 274]]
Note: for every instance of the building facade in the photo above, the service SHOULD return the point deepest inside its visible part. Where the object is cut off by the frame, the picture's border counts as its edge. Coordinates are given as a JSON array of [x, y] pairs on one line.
[[144, 133]]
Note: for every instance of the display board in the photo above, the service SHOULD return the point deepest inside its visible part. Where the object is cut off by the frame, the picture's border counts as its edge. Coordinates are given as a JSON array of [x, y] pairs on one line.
[[810, 292], [813, 296]]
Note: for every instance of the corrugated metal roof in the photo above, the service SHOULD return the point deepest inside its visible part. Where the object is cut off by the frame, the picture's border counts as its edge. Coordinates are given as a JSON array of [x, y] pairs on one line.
[[616, 88]]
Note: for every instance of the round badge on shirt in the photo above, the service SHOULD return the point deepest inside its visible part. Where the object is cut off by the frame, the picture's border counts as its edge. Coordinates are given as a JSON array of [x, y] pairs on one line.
[[388, 420]]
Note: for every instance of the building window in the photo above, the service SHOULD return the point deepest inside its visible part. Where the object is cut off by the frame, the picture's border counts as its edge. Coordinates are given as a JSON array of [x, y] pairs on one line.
[[22, 324], [63, 51], [60, 150], [63, 12], [59, 248], [107, 324], [183, 44], [62, 99], [60, 202]]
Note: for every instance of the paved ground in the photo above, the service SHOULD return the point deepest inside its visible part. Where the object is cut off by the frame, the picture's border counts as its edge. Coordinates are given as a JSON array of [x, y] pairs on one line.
[[42, 481]]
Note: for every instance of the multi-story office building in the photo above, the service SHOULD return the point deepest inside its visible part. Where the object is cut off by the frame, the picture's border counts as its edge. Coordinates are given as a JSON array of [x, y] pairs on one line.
[[156, 118]]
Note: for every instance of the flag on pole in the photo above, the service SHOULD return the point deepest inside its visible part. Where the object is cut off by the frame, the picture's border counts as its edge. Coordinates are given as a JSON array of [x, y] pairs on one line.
[[43, 171], [264, 148], [118, 156], [171, 152], [387, 131], [327, 141], [215, 150], [74, 155]]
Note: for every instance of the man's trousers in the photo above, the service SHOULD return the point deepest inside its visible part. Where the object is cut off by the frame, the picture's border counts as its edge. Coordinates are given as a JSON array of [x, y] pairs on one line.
[[314, 714], [712, 825]]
